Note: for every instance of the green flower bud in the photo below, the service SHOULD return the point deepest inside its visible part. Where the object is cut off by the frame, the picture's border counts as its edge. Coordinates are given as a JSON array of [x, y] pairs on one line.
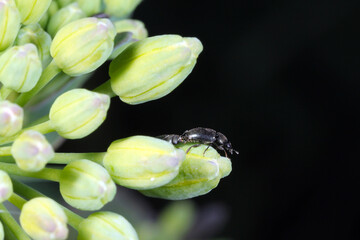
[[43, 218], [106, 226], [86, 185], [151, 68], [53, 8], [83, 45], [64, 16], [31, 151], [78, 112], [90, 7], [6, 188], [20, 68], [224, 166], [1, 231], [136, 27], [198, 175], [11, 118], [142, 162], [9, 23], [32, 10], [137, 30], [64, 3], [120, 8], [34, 34]]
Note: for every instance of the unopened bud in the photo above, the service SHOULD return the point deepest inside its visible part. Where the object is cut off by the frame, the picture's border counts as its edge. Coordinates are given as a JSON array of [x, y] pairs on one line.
[[90, 7], [31, 151], [120, 8], [11, 118], [83, 45], [9, 23], [34, 34], [86, 185], [32, 10], [43, 218], [106, 226], [151, 68], [78, 112], [20, 67], [64, 16], [198, 175], [6, 188], [142, 162]]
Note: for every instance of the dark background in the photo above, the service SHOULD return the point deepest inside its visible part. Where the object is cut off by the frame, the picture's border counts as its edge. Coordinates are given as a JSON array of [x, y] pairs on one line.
[[281, 80]]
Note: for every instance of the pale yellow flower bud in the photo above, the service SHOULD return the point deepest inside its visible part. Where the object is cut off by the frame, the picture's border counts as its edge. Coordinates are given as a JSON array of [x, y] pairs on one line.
[[9, 23], [32, 10], [6, 188], [11, 118]]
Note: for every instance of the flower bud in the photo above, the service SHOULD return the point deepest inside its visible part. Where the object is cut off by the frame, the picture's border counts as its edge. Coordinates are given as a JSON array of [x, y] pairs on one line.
[[11, 118], [198, 175], [120, 8], [6, 188], [142, 162], [78, 112], [136, 27], [86, 185], [83, 45], [64, 3], [64, 16], [34, 34], [224, 166], [151, 68], [31, 151], [53, 8], [90, 7], [106, 226], [1, 231], [9, 23], [32, 10], [43, 218], [20, 68]]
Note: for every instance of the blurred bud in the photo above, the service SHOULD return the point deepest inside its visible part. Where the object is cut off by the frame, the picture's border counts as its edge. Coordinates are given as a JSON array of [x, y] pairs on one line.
[[43, 218], [78, 112], [20, 67], [31, 151], [53, 8], [64, 3], [198, 175], [142, 162], [34, 34], [151, 68], [1, 231], [83, 45], [136, 27], [106, 226], [6, 188], [32, 10], [120, 8], [64, 16], [86, 185], [11, 118], [9, 23], [90, 7]]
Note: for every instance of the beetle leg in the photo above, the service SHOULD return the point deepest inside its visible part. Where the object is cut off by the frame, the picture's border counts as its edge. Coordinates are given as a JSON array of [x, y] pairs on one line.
[[206, 149], [196, 145]]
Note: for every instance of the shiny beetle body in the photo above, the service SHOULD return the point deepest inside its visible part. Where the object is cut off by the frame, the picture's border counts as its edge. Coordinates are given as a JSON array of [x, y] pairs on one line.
[[201, 135]]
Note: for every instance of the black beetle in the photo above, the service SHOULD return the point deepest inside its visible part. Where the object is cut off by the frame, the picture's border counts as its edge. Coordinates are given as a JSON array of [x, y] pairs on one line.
[[202, 135]]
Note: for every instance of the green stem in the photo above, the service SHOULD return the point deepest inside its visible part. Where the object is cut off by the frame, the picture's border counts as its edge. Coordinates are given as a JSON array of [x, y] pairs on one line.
[[50, 174], [17, 201], [43, 128], [5, 151], [105, 88], [11, 225], [65, 158], [47, 75], [28, 192]]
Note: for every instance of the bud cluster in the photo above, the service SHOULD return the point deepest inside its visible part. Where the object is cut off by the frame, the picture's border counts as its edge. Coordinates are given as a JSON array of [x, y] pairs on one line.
[[48, 49]]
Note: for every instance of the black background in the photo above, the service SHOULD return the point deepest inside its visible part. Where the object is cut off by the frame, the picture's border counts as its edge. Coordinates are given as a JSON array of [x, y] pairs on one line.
[[281, 80]]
